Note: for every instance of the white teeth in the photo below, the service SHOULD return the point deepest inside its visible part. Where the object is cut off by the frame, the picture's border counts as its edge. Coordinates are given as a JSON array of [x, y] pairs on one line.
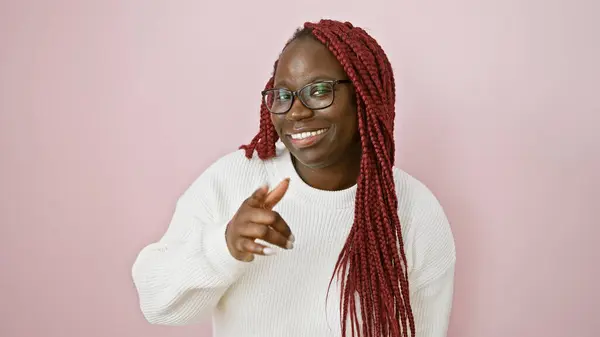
[[303, 135]]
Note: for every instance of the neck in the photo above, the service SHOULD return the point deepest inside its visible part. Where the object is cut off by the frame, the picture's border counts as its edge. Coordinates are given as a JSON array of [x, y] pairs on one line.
[[339, 176]]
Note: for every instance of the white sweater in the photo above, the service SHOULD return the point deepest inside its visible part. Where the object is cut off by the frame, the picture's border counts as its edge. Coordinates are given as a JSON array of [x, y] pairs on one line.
[[189, 275]]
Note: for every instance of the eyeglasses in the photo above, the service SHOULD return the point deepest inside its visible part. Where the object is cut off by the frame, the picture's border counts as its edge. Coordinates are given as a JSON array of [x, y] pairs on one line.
[[314, 96]]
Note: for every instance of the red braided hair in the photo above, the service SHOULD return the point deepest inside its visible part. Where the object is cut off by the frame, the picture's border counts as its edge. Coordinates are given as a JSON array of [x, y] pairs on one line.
[[372, 263]]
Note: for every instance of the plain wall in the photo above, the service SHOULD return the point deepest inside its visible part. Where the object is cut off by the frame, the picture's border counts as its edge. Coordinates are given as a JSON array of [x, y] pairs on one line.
[[109, 109]]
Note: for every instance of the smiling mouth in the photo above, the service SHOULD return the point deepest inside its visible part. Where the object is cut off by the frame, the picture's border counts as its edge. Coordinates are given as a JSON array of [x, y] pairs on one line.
[[307, 138], [305, 135]]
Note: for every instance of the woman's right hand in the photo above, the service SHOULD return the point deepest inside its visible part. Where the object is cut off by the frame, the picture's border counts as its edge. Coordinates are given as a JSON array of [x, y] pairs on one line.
[[255, 219]]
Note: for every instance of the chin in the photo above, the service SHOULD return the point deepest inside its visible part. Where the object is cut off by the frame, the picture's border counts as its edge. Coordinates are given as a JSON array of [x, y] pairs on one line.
[[311, 159]]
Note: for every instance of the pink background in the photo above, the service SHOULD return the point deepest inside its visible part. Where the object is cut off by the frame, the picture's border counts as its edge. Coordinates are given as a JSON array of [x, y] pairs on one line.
[[109, 109]]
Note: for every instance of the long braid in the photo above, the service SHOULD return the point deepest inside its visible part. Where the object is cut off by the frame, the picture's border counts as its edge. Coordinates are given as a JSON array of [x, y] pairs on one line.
[[372, 265]]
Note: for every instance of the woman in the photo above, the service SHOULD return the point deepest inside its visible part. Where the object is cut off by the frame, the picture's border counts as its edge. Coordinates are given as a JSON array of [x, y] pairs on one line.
[[323, 252]]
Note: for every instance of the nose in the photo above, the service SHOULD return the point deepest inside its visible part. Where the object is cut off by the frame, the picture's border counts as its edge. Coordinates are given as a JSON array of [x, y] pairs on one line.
[[298, 111]]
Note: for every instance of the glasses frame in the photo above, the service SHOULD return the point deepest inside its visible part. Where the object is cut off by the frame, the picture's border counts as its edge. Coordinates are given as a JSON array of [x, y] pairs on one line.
[[296, 92]]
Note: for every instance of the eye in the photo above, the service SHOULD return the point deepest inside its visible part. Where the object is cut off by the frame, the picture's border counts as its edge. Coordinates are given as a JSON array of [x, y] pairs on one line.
[[283, 95], [320, 90]]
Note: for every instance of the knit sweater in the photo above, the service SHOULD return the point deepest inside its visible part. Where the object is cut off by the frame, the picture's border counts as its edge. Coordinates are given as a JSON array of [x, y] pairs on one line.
[[189, 275]]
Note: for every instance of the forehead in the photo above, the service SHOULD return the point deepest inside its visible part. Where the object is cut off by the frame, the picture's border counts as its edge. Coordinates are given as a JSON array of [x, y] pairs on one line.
[[304, 61]]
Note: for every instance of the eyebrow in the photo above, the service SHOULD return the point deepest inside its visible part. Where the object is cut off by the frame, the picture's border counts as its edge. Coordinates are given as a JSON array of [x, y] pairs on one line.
[[310, 80]]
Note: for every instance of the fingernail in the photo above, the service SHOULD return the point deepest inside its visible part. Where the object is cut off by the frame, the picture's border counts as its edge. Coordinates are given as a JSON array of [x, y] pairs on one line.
[[292, 238], [289, 245], [268, 251]]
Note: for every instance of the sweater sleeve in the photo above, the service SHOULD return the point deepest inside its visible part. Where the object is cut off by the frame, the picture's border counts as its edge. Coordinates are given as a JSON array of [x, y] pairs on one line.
[[432, 278], [432, 304], [181, 278]]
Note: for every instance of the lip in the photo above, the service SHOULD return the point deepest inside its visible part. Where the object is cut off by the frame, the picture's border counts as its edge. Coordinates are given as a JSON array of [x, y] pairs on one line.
[[307, 142]]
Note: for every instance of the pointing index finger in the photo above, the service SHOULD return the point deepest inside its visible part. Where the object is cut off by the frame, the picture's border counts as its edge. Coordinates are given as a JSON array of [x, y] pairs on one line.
[[276, 194]]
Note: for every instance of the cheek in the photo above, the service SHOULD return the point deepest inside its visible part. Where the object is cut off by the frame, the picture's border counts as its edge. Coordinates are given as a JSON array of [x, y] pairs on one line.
[[346, 123], [351, 119], [351, 125], [276, 121]]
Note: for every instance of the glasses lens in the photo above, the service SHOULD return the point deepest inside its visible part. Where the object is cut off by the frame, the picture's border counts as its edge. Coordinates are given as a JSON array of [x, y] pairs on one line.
[[317, 95], [278, 100]]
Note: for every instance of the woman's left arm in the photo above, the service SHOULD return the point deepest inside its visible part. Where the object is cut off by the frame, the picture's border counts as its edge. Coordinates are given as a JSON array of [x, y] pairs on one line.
[[431, 305], [431, 276]]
